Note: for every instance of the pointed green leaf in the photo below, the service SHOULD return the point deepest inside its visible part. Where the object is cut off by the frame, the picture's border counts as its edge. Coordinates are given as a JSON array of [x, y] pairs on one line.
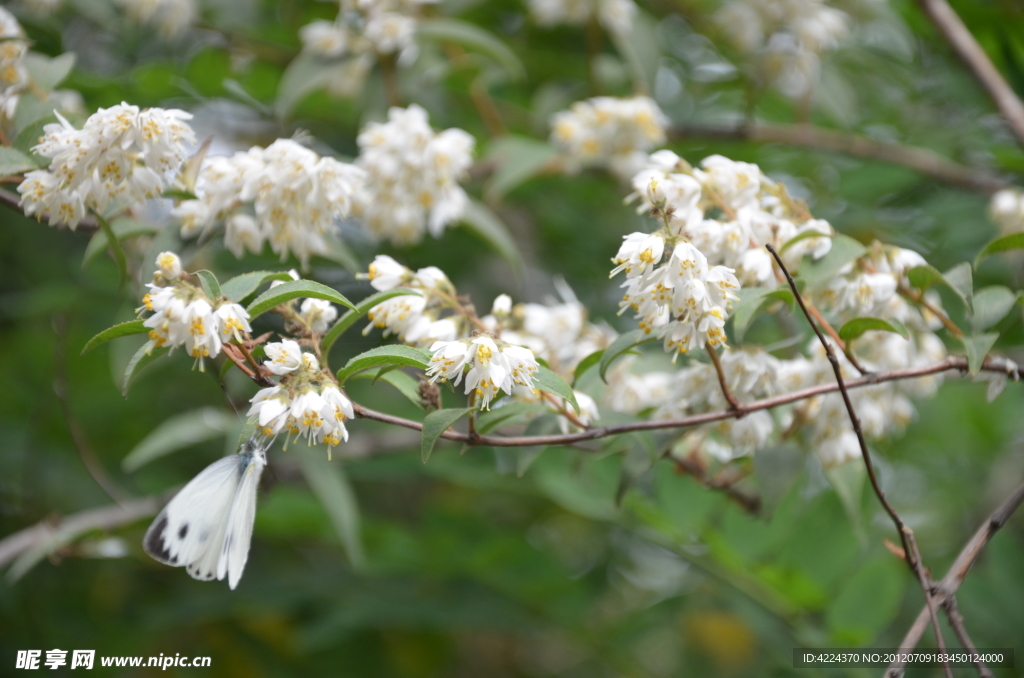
[[210, 283], [121, 330], [978, 347], [817, 272], [294, 289], [392, 354], [48, 72], [473, 37], [585, 364], [991, 304], [362, 308], [548, 381], [123, 228], [241, 287], [800, 237], [518, 159], [751, 299], [115, 246], [304, 74], [957, 279], [341, 254], [330, 485], [485, 223], [139, 362], [179, 432], [489, 420], [1014, 241], [392, 374], [961, 281], [13, 161], [436, 423], [858, 326], [624, 343]]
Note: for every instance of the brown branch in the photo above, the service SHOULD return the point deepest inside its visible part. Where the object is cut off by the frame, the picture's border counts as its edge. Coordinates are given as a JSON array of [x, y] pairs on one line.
[[974, 57], [956, 620], [87, 225], [957, 572], [751, 503], [922, 160], [913, 556], [729, 397]]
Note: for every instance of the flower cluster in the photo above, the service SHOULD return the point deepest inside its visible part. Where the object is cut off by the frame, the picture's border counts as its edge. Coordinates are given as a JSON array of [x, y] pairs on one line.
[[182, 314], [415, 319], [609, 132], [413, 176], [1006, 208], [285, 195], [494, 365], [306, 402], [170, 17], [13, 75], [785, 37], [730, 211], [120, 156], [615, 15]]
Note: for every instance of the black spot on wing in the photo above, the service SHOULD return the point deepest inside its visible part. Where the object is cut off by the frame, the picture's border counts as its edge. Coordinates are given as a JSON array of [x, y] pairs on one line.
[[183, 530], [199, 574], [154, 540]]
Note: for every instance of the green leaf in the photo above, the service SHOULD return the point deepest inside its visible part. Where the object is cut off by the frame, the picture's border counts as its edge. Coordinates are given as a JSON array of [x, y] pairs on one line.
[[991, 304], [123, 228], [641, 49], [751, 299], [179, 432], [362, 308], [177, 194], [330, 485], [139, 362], [241, 287], [48, 72], [817, 272], [29, 137], [13, 161], [436, 423], [121, 330], [957, 279], [474, 38], [115, 246], [548, 381], [1014, 241], [624, 343], [392, 354], [867, 603], [304, 74], [806, 235], [293, 289], [858, 326], [489, 420], [960, 280], [978, 347], [848, 481], [210, 283], [405, 384], [585, 364], [485, 223], [341, 254], [637, 461], [518, 159]]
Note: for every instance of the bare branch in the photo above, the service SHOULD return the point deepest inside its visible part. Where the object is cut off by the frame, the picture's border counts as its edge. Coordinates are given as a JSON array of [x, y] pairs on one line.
[[956, 620], [913, 556], [923, 160], [726, 393], [971, 53], [957, 572]]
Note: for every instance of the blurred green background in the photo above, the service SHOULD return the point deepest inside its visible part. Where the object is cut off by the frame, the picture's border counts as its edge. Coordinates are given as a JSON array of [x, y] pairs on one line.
[[470, 570]]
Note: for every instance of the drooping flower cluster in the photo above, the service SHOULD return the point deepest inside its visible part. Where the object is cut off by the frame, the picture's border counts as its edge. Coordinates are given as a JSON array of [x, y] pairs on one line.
[[1006, 208], [13, 74], [413, 176], [285, 195], [730, 210], [306, 402], [609, 132], [785, 37], [182, 314], [615, 15], [493, 365], [416, 319], [170, 17], [120, 156]]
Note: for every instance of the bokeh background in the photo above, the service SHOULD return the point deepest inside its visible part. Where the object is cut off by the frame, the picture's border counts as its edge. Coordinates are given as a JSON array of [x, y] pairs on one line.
[[467, 569]]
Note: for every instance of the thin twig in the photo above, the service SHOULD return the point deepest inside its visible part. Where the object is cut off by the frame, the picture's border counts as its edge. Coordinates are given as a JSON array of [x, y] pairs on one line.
[[913, 556], [956, 620], [923, 160], [971, 53], [957, 572], [749, 503], [729, 397]]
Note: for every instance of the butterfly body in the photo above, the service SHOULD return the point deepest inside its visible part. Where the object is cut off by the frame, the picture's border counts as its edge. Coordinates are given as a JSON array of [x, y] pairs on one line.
[[207, 527]]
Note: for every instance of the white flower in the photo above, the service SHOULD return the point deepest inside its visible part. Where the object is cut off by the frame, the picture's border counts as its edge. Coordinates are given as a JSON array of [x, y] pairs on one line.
[[270, 409], [386, 273], [839, 449], [448, 361], [171, 17], [284, 357], [318, 314], [241, 233], [232, 321], [638, 253], [502, 305], [413, 176], [587, 415], [168, 266], [615, 15], [336, 409], [324, 38], [491, 368]]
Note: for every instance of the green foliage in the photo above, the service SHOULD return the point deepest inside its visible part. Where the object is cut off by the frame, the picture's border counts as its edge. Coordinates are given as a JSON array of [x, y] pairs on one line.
[[294, 289]]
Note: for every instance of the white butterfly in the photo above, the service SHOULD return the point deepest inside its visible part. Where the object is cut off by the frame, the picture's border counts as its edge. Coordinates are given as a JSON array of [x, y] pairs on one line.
[[207, 527]]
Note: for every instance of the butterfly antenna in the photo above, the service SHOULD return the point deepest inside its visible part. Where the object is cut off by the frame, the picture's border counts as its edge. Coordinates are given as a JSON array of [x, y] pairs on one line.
[[231, 402]]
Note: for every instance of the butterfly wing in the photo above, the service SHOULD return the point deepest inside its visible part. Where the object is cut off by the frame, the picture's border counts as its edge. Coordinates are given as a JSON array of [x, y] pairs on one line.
[[191, 527], [235, 550]]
